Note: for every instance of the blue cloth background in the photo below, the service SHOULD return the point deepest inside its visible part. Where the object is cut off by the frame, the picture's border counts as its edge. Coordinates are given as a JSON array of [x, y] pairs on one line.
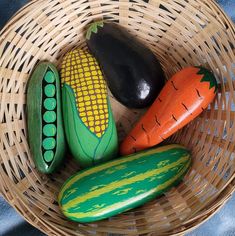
[[12, 224]]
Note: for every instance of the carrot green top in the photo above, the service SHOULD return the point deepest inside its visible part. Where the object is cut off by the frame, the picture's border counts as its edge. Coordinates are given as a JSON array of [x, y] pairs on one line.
[[208, 77]]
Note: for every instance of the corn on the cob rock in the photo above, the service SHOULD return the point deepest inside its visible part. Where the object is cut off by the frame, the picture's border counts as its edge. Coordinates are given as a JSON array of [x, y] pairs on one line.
[[89, 124]]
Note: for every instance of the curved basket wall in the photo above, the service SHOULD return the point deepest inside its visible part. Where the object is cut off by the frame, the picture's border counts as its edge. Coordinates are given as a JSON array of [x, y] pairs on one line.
[[181, 33]]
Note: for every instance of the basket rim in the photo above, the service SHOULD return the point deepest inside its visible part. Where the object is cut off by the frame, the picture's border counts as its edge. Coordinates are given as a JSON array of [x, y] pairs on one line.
[[211, 211], [14, 17]]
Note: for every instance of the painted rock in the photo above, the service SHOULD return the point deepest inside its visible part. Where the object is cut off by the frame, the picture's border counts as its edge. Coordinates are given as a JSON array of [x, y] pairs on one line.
[[133, 73], [44, 118], [122, 184], [89, 124], [184, 97]]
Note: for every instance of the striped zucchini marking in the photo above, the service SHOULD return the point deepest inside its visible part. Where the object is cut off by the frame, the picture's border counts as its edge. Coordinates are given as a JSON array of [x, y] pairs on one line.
[[118, 205], [73, 179], [117, 184]]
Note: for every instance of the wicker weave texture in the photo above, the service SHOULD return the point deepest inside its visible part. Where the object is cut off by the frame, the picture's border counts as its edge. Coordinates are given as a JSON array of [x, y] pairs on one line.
[[180, 33]]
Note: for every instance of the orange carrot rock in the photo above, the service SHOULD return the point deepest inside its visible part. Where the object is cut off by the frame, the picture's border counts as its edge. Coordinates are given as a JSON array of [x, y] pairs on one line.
[[182, 99]]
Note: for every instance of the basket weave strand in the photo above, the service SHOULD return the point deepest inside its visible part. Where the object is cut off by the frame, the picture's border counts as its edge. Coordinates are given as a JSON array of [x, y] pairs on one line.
[[180, 33]]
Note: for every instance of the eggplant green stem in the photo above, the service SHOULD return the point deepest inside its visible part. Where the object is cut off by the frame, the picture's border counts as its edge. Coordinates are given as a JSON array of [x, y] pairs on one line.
[[93, 28]]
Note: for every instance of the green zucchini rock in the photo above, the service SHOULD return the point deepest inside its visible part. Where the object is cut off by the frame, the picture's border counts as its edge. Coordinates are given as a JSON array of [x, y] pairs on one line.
[[122, 184], [44, 118], [89, 124]]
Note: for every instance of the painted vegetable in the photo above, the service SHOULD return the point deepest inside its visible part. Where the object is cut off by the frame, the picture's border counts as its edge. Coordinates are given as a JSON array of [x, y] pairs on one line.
[[44, 118], [183, 98], [122, 184], [89, 124], [132, 71]]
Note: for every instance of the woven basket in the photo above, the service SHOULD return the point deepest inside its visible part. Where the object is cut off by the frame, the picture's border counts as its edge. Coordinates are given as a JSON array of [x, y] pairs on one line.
[[181, 33]]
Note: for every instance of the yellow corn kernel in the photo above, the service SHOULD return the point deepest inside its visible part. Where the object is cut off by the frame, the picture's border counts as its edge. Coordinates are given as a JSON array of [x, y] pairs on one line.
[[86, 98], [91, 123], [94, 72], [81, 71], [80, 99], [87, 74], [97, 128], [84, 60]]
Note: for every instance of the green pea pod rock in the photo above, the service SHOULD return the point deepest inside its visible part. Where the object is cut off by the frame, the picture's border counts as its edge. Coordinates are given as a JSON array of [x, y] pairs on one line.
[[89, 124], [44, 118], [114, 187]]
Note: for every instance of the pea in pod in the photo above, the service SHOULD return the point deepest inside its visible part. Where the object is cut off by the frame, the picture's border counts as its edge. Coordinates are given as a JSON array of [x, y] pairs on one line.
[[44, 118]]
